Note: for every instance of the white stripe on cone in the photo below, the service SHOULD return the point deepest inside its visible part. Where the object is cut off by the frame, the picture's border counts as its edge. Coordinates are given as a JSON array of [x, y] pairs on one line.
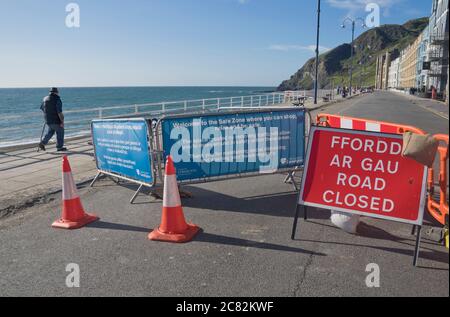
[[171, 196], [69, 187]]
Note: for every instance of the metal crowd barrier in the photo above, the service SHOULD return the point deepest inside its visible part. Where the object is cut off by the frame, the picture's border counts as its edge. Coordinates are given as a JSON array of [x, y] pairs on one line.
[[110, 138], [437, 208], [159, 141], [111, 162]]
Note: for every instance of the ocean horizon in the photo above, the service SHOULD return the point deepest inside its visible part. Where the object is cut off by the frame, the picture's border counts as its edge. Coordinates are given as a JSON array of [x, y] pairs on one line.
[[21, 120], [140, 86]]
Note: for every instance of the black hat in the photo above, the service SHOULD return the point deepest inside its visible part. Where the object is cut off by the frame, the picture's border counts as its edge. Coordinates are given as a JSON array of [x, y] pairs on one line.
[[54, 90]]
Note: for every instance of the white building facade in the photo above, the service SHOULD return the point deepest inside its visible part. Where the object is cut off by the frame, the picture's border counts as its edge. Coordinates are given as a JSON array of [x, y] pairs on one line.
[[394, 73], [438, 47]]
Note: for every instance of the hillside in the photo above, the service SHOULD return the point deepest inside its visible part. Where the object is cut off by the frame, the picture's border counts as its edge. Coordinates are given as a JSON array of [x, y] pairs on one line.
[[334, 64]]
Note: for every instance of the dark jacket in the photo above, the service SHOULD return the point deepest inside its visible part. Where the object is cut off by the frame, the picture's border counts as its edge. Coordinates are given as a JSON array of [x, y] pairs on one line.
[[51, 106]]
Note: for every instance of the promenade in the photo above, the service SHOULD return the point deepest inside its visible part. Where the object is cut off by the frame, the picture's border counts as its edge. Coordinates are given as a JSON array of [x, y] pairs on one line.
[[30, 176], [244, 248]]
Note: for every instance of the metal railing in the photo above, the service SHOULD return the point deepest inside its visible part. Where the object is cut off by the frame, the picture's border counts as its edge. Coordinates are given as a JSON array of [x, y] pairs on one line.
[[77, 121]]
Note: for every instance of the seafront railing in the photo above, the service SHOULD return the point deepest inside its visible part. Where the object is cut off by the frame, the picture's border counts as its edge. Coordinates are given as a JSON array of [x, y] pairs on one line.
[[29, 125]]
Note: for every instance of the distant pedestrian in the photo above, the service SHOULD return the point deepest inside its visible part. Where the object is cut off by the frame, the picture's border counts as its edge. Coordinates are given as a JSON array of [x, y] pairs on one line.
[[54, 119], [433, 93]]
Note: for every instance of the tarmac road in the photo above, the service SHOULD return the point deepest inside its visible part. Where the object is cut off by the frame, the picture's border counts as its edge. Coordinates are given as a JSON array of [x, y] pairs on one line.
[[244, 249]]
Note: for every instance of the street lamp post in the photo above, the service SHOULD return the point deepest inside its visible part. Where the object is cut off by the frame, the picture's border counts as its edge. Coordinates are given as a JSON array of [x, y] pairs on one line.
[[316, 79], [353, 23]]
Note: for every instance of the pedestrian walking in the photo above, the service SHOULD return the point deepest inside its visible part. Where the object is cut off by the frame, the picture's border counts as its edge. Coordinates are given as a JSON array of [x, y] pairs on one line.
[[54, 120]]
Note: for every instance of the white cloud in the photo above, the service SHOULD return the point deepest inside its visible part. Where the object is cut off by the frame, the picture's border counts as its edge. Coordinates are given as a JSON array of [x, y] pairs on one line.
[[355, 6], [290, 47]]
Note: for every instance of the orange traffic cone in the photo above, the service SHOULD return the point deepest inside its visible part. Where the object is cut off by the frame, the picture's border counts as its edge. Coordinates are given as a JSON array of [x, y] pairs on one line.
[[73, 215], [173, 226]]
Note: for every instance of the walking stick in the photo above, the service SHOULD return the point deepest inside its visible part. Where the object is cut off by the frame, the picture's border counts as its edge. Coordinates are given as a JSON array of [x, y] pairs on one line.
[[42, 135]]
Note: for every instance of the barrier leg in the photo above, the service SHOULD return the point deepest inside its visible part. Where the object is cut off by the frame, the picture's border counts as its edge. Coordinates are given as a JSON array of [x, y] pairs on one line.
[[290, 178], [136, 194], [417, 249], [413, 232], [293, 182], [305, 213], [294, 226], [95, 179]]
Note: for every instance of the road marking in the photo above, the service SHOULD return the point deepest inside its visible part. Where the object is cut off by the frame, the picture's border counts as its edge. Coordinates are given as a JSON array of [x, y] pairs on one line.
[[440, 114]]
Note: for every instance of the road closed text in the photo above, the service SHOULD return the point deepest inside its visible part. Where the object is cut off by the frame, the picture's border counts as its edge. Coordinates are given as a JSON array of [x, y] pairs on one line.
[[356, 181], [362, 172]]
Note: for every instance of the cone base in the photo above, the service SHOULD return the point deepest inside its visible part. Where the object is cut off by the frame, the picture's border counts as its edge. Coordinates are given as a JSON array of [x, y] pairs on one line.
[[187, 236], [70, 225]]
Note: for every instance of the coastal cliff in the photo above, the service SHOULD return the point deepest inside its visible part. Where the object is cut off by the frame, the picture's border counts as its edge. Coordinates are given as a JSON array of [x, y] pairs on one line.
[[334, 64]]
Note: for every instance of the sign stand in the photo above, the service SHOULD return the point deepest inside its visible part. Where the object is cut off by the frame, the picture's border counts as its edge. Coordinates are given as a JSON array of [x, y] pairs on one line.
[[345, 186], [413, 231], [417, 248], [305, 217]]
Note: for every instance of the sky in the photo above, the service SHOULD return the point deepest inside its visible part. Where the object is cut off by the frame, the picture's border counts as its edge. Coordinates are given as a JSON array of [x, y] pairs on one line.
[[174, 42]]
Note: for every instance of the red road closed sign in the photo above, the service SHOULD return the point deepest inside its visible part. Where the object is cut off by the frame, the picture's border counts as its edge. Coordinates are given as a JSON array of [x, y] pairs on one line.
[[363, 173]]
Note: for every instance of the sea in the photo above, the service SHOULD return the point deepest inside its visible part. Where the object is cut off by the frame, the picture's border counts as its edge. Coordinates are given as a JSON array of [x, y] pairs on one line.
[[21, 121]]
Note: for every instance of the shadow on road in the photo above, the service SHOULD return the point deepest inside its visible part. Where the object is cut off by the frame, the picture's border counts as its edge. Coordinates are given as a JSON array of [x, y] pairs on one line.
[[116, 226], [278, 204], [208, 238], [432, 255], [367, 231], [218, 239], [281, 205]]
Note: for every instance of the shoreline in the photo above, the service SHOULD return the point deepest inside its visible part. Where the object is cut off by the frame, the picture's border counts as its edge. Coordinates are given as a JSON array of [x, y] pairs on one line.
[[146, 86], [34, 144]]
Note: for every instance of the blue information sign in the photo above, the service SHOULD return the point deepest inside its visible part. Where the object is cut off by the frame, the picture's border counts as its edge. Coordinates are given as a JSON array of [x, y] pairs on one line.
[[122, 148], [232, 144]]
